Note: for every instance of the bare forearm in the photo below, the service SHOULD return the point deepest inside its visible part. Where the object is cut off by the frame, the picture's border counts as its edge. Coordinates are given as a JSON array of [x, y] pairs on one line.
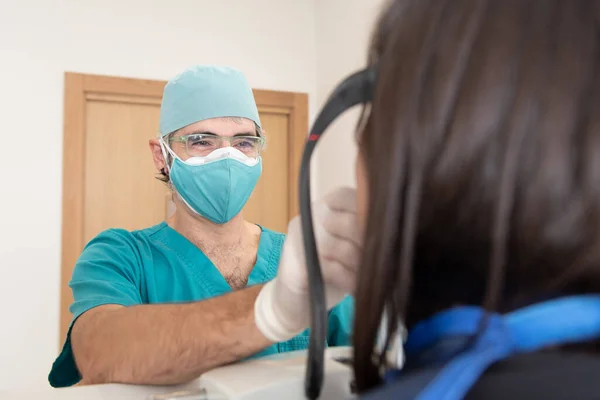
[[167, 343]]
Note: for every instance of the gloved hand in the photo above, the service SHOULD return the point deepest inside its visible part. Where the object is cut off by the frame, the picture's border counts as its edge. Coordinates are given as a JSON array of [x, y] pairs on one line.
[[282, 307]]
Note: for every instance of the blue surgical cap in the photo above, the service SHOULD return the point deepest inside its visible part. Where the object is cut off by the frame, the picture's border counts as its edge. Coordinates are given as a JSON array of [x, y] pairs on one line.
[[203, 92]]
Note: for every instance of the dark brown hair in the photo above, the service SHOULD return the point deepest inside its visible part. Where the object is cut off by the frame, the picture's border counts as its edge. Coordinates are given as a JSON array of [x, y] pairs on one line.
[[482, 154]]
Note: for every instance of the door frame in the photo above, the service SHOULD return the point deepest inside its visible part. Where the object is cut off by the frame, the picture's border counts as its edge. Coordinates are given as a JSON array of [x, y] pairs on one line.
[[78, 88]]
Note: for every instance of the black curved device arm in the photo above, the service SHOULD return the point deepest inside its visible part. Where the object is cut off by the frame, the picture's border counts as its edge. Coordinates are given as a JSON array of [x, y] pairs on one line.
[[354, 90]]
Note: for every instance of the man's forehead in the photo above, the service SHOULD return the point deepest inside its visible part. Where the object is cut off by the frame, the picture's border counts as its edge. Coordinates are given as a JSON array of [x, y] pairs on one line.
[[221, 126]]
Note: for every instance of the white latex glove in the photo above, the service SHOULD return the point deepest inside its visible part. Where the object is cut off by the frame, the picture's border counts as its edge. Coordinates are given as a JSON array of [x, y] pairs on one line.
[[282, 307]]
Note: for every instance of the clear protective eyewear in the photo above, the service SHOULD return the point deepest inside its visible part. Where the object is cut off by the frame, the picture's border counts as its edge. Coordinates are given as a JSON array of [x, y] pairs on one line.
[[202, 144]]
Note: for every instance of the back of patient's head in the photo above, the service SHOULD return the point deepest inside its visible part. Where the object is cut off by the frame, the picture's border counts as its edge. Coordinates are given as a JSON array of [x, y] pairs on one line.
[[482, 156]]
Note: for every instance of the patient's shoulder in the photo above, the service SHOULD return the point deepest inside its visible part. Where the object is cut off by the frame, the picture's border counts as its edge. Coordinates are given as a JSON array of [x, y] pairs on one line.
[[550, 375]]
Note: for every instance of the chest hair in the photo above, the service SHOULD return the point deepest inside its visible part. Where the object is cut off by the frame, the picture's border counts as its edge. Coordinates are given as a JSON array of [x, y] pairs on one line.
[[233, 262]]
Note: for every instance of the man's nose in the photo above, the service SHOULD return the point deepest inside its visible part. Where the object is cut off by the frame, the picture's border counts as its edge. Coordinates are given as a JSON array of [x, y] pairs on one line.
[[226, 142]]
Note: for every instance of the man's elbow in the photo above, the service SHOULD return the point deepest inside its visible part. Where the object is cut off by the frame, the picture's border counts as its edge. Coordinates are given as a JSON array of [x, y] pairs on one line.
[[92, 372], [90, 355], [91, 377], [92, 362], [96, 369]]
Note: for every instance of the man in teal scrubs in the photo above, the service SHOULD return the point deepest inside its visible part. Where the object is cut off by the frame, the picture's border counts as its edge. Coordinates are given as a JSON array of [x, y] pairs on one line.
[[164, 304]]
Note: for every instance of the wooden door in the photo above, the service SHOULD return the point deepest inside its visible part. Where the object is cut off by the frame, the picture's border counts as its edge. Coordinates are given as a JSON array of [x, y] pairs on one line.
[[109, 177]]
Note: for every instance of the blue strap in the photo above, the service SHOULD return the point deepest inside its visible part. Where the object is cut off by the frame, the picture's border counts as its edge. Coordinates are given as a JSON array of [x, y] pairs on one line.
[[573, 319], [562, 321], [459, 375]]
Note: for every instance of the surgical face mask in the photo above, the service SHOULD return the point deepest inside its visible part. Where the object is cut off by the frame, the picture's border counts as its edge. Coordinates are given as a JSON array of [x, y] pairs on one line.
[[216, 186]]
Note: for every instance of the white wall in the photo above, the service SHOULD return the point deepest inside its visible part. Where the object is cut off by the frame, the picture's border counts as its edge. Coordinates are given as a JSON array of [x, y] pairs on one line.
[[273, 41], [343, 32]]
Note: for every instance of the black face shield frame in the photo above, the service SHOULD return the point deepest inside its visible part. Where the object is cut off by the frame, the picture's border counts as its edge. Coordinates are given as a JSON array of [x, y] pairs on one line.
[[354, 90]]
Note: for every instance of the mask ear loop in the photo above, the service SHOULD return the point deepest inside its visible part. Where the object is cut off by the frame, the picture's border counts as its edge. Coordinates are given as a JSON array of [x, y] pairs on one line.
[[164, 148]]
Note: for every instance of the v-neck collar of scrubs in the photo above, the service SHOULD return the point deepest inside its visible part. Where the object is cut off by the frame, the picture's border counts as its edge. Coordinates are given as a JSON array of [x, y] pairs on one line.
[[205, 271]]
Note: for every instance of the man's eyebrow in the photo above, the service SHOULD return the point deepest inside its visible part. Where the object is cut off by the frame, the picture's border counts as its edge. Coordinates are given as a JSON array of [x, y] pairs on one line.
[[200, 133], [214, 134]]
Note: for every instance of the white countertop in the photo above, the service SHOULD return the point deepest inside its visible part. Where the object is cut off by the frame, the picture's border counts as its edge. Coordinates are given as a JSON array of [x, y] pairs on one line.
[[275, 377], [92, 392]]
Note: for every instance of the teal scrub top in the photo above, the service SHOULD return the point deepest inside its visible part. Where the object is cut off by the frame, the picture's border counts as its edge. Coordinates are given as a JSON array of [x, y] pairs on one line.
[[159, 265]]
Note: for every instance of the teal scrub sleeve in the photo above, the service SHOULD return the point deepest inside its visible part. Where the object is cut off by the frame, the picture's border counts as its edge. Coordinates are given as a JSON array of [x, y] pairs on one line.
[[341, 320], [107, 272]]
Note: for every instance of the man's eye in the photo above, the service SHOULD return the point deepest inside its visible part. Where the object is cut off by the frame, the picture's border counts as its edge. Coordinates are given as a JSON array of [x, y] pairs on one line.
[[245, 144], [201, 143]]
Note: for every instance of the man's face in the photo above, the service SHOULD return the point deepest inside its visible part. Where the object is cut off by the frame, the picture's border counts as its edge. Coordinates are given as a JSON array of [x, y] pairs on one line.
[[219, 127], [224, 127]]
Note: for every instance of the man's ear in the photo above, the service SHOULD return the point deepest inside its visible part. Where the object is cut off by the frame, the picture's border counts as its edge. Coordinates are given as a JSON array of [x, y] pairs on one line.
[[157, 155]]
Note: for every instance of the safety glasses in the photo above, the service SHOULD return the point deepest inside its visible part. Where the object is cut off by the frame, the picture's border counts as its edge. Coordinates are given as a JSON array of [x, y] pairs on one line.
[[201, 145], [354, 90]]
